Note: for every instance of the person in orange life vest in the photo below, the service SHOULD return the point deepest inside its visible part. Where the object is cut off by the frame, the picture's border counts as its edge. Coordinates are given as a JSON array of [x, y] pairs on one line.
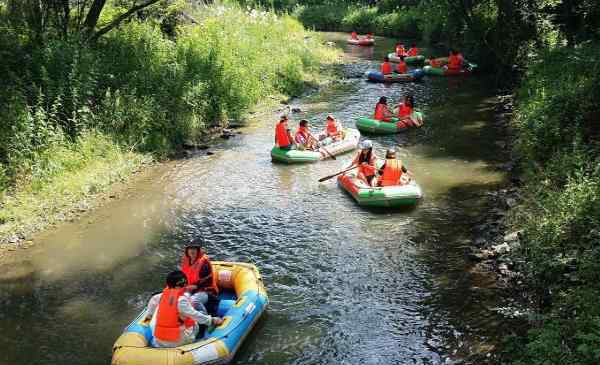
[[283, 136], [386, 66], [392, 170], [382, 112], [434, 62], [333, 128], [304, 139], [175, 315], [198, 269], [413, 51], [400, 51], [454, 62], [353, 35], [405, 112], [365, 160], [401, 68]]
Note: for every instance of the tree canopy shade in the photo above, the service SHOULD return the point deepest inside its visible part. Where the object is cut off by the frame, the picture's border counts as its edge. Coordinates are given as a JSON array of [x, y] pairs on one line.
[[64, 18]]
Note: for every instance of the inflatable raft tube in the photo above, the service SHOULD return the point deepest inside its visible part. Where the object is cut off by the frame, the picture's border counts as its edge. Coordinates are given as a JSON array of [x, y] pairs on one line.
[[349, 143], [362, 42], [443, 71], [243, 299], [389, 196], [373, 126], [411, 76], [411, 60]]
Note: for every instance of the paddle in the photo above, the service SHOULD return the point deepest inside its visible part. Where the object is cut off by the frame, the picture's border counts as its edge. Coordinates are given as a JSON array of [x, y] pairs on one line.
[[329, 153], [336, 174]]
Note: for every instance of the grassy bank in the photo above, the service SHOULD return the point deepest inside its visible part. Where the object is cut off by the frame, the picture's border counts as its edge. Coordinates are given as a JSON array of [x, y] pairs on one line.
[[558, 141], [80, 115]]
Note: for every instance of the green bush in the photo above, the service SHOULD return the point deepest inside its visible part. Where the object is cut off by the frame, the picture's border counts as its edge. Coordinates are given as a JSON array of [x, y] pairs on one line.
[[559, 142]]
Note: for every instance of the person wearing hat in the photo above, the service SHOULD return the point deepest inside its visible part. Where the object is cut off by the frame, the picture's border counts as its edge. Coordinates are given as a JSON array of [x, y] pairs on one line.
[[304, 139], [333, 129], [200, 275], [392, 170], [382, 111], [365, 160], [175, 316], [283, 136]]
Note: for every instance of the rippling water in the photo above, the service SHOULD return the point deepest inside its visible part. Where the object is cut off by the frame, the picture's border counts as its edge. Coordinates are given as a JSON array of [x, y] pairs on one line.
[[346, 285]]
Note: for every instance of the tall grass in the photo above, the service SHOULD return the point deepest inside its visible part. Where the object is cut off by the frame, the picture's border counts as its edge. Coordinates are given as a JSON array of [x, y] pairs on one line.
[[69, 109]]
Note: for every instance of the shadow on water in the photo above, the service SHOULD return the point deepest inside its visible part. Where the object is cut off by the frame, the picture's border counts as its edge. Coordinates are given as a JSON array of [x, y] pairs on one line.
[[346, 285]]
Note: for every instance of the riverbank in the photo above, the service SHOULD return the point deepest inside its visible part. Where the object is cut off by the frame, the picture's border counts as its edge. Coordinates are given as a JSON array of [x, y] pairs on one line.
[[139, 96]]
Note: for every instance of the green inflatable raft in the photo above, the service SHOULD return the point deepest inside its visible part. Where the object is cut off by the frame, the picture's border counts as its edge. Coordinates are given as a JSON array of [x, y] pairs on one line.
[[443, 71], [410, 60], [349, 143], [373, 126], [389, 196]]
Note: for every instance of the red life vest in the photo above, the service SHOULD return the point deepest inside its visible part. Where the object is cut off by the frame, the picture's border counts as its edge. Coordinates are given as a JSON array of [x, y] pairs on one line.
[[354, 35], [413, 51], [386, 68], [301, 135], [379, 108], [400, 51], [402, 68], [281, 134], [454, 62], [331, 127], [368, 168], [168, 322], [404, 110], [192, 273], [392, 172]]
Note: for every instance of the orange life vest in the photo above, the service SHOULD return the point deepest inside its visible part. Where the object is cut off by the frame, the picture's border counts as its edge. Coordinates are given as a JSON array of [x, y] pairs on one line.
[[414, 51], [368, 168], [404, 110], [386, 68], [281, 134], [192, 273], [400, 51], [454, 62], [391, 173], [331, 127], [402, 68], [168, 322], [379, 108]]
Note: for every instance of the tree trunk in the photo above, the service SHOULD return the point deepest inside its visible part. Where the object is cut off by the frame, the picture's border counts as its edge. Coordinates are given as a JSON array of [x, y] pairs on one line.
[[93, 15]]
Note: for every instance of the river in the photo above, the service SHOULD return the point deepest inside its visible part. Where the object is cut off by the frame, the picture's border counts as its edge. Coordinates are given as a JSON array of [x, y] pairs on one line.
[[346, 285]]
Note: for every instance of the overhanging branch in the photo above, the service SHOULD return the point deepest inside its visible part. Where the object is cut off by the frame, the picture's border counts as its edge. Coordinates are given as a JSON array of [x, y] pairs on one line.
[[115, 22]]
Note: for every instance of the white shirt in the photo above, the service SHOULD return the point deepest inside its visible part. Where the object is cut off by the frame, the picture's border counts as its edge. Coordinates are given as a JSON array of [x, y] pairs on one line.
[[186, 310]]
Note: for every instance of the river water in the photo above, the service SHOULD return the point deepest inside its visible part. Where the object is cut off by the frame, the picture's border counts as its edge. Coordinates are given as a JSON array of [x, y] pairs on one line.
[[346, 285]]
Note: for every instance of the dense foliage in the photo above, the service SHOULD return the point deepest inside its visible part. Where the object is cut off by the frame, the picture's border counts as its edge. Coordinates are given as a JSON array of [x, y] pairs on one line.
[[150, 84]]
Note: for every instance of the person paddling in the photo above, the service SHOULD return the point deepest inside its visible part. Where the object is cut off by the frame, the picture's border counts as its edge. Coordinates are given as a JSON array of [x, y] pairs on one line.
[[392, 170], [382, 111], [175, 316], [304, 139], [401, 68], [386, 66], [283, 136], [365, 160]]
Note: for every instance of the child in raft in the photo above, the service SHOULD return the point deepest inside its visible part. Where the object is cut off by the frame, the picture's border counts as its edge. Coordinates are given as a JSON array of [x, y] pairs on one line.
[[405, 112], [382, 111], [365, 160]]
